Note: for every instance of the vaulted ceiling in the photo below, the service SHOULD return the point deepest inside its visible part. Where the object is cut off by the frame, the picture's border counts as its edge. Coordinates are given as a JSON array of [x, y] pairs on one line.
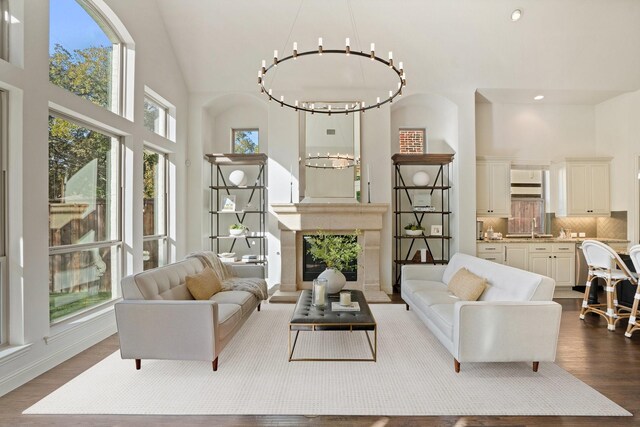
[[574, 45]]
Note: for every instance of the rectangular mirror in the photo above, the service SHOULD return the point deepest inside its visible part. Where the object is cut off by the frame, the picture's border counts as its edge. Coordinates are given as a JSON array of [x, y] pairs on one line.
[[329, 155]]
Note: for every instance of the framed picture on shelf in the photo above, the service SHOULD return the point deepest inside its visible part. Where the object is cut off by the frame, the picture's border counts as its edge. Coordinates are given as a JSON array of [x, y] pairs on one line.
[[228, 202], [436, 230]]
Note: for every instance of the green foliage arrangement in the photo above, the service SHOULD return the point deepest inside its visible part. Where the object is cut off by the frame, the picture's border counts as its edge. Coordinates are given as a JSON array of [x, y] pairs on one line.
[[237, 226], [335, 251], [413, 226]]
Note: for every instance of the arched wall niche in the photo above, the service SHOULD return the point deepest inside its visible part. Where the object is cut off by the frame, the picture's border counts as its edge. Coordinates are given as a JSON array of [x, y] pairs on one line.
[[233, 111]]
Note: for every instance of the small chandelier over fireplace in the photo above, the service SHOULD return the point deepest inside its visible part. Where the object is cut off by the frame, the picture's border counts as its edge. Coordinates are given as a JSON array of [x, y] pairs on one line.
[[331, 161]]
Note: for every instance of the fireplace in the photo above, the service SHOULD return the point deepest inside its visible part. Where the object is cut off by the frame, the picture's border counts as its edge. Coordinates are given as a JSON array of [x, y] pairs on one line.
[[296, 220], [311, 268]]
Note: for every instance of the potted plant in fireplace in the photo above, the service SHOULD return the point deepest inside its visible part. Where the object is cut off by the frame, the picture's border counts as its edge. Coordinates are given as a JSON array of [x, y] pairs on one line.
[[337, 253]]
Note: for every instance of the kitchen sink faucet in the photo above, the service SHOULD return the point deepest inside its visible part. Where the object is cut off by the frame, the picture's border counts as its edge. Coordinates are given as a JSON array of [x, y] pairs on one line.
[[533, 227]]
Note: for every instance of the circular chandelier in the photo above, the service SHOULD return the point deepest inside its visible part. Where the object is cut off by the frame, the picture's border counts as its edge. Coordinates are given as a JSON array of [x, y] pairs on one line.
[[331, 161], [349, 107]]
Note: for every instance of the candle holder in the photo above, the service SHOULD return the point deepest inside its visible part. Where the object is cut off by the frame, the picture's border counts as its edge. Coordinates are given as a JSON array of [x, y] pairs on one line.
[[319, 293], [369, 192], [290, 191]]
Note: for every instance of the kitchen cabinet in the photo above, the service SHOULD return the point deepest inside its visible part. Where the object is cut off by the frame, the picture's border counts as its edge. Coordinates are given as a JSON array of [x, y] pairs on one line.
[[493, 188], [581, 187], [555, 260], [491, 252], [517, 255]]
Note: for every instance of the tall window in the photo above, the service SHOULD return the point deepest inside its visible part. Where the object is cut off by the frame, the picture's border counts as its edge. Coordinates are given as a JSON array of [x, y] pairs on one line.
[[84, 53], [5, 21], [244, 141], [156, 116], [154, 220], [84, 217]]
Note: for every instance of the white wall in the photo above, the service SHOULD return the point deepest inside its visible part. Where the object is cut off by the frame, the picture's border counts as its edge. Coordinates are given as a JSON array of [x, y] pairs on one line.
[[35, 346], [531, 132], [618, 136]]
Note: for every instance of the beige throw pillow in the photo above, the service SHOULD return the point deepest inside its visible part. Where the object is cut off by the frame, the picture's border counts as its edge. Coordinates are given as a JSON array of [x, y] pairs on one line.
[[466, 285], [204, 284]]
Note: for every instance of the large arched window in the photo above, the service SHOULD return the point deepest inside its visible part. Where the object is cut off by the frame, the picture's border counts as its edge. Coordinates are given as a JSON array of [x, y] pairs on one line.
[[85, 53]]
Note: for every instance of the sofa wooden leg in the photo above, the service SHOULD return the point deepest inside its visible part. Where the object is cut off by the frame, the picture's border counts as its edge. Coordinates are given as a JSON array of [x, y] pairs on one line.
[[407, 307], [214, 364], [258, 306], [456, 365], [138, 364], [535, 366]]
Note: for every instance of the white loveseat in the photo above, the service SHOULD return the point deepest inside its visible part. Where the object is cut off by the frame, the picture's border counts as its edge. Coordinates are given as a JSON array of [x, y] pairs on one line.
[[514, 320], [159, 319]]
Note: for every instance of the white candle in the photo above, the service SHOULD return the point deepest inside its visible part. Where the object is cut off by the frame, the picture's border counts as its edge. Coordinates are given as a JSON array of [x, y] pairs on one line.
[[368, 172], [290, 173], [345, 298], [319, 293]]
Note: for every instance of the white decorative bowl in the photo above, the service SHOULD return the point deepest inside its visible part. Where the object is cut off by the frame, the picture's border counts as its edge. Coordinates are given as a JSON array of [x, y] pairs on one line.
[[413, 232], [237, 231], [238, 177], [421, 178]]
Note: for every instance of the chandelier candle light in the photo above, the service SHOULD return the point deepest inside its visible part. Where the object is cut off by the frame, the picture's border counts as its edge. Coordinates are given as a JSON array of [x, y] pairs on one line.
[[348, 108]]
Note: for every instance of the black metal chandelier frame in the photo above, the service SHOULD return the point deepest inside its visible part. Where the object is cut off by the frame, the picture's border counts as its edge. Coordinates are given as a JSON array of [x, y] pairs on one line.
[[351, 161], [355, 107]]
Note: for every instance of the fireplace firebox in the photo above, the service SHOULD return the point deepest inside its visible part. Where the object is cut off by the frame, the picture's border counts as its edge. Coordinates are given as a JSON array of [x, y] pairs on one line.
[[311, 268]]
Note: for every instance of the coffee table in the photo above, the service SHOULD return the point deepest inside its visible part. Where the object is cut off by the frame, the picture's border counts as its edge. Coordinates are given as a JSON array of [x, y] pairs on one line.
[[307, 318]]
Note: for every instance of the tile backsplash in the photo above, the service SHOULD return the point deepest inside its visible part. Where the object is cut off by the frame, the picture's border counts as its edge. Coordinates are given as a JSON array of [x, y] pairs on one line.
[[614, 227]]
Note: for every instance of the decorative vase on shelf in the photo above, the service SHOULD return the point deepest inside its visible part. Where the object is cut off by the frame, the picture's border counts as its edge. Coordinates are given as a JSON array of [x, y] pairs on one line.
[[413, 232], [335, 280], [238, 177], [421, 179]]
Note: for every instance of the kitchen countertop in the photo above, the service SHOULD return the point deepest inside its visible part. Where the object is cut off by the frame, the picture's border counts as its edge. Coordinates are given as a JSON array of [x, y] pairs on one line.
[[551, 240]]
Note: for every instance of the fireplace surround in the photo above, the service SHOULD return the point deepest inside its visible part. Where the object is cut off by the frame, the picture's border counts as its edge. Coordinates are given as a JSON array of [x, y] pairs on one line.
[[298, 219]]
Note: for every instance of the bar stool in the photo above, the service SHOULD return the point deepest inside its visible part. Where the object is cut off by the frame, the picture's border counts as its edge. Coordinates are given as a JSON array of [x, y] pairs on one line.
[[605, 263], [633, 326]]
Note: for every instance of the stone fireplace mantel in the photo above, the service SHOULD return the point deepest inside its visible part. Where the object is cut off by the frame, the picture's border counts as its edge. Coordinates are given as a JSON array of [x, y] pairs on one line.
[[297, 219]]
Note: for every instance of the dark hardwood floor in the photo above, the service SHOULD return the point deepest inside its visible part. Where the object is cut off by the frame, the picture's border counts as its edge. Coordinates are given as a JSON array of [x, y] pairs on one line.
[[607, 361]]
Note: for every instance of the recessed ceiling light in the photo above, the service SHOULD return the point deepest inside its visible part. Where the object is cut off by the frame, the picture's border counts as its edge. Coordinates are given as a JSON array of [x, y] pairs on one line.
[[516, 15], [538, 97]]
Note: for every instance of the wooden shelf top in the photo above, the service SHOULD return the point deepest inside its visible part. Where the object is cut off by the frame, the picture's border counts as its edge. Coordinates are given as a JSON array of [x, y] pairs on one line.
[[422, 159], [237, 159]]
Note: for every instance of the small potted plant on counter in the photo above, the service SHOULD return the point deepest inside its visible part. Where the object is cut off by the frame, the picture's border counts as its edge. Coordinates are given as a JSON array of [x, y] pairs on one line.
[[237, 229], [413, 229]]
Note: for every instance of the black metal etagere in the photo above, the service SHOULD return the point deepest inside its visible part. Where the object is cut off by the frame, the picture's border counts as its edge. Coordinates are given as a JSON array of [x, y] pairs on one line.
[[221, 166], [438, 246]]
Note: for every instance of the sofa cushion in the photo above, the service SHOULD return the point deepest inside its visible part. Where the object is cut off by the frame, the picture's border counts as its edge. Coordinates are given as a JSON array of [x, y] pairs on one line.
[[442, 316], [167, 282], [428, 298], [244, 299], [466, 285], [229, 315], [204, 284], [412, 286], [505, 283]]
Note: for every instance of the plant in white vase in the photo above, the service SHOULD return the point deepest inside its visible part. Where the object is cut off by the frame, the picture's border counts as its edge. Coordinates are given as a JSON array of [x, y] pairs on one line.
[[413, 229], [337, 252], [237, 229]]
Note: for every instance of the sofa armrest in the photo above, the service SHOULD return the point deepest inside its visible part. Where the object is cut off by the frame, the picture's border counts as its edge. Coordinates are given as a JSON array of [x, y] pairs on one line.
[[505, 331], [167, 329], [249, 270], [423, 272]]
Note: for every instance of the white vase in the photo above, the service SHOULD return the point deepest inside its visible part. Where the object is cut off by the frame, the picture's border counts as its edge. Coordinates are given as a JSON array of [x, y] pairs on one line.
[[238, 177], [421, 178], [335, 280]]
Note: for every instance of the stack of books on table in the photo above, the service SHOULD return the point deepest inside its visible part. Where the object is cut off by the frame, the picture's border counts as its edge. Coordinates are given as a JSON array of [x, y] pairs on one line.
[[228, 259], [249, 258]]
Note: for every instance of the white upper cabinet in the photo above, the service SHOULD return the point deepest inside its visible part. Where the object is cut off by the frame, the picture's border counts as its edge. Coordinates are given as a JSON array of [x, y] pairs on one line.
[[493, 188], [581, 187]]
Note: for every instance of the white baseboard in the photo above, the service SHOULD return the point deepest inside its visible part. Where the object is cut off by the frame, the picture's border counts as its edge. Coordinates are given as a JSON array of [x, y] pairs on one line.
[[50, 360]]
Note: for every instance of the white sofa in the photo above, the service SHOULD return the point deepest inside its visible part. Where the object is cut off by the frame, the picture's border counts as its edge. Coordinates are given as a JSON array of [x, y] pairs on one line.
[[514, 319], [159, 319]]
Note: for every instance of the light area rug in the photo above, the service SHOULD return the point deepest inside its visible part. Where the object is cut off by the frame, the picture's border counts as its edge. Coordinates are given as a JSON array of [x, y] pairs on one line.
[[413, 376]]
